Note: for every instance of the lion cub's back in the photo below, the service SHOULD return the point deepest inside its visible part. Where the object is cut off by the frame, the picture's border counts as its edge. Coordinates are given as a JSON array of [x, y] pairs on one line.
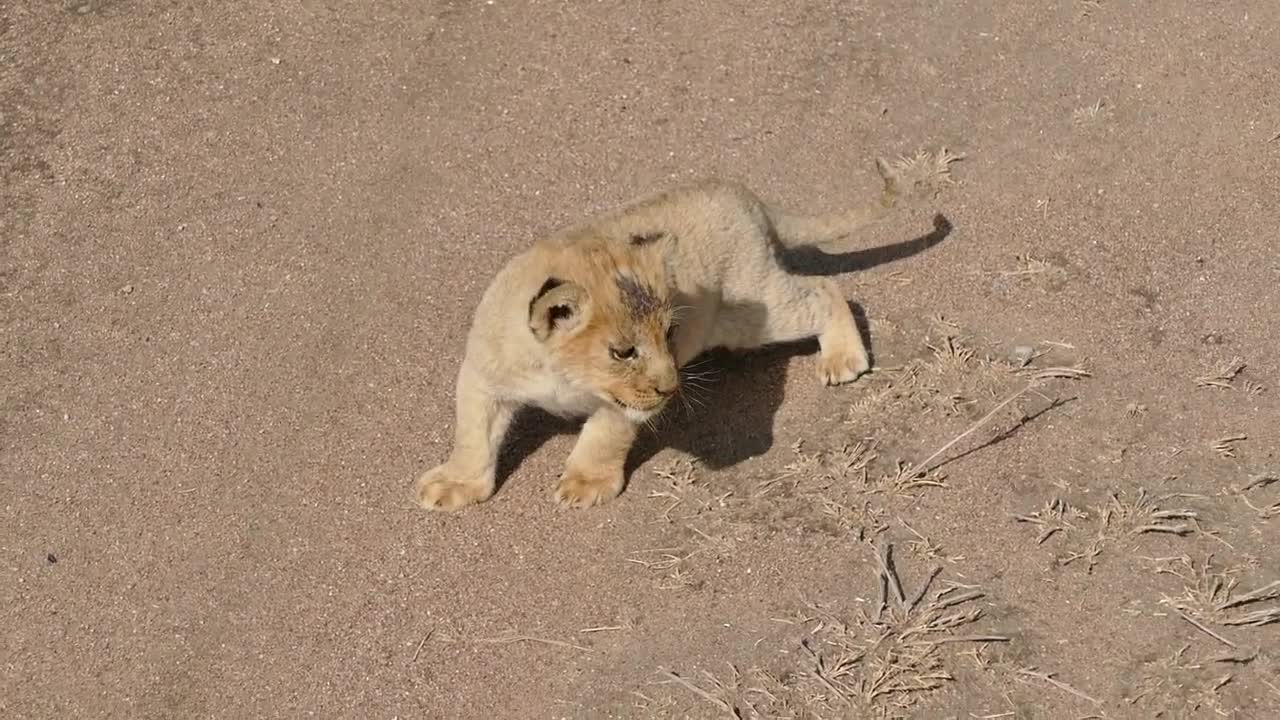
[[717, 224]]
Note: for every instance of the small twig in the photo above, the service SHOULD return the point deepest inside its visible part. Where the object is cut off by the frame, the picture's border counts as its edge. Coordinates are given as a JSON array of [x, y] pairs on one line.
[[532, 639], [969, 639], [1266, 592], [732, 711], [1226, 447], [923, 467], [886, 567], [1258, 481], [817, 670], [1205, 629], [884, 598], [924, 589], [1049, 678], [602, 628], [1257, 618], [1170, 529], [1235, 659], [425, 638]]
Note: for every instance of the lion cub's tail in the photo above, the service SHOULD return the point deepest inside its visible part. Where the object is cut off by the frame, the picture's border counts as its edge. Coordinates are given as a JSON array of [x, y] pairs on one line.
[[797, 230]]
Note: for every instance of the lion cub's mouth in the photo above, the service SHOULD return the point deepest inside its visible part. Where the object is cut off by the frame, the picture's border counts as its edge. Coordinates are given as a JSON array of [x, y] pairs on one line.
[[637, 414]]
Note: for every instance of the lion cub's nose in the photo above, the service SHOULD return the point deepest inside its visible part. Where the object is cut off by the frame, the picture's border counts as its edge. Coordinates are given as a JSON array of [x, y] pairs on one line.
[[667, 384]]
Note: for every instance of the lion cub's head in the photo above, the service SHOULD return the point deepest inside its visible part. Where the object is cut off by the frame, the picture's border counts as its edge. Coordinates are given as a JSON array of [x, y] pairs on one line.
[[607, 316]]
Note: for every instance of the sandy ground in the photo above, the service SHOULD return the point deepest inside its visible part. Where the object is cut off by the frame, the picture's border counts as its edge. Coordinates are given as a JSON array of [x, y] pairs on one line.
[[239, 248]]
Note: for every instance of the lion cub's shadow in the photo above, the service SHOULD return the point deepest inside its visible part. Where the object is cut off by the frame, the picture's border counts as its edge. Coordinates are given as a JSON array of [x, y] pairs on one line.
[[728, 419]]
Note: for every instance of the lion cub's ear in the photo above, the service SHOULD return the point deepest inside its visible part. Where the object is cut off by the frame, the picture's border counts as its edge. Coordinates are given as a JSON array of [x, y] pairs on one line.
[[556, 308], [656, 245]]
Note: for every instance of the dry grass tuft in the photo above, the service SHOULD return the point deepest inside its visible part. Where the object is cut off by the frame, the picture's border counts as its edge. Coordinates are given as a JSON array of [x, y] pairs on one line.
[[1226, 375], [1119, 518], [685, 493], [1053, 518], [1211, 596], [856, 667], [1143, 514], [1090, 114], [925, 173], [1179, 684], [893, 658]]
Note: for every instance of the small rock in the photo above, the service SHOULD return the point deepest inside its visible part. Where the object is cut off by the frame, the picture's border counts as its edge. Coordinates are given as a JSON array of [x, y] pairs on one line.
[[126, 290], [1213, 338], [53, 559], [1023, 354]]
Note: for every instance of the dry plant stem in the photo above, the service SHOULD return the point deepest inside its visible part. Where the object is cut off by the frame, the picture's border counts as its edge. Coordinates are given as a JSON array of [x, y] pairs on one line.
[[726, 707], [884, 598], [1266, 592], [1205, 629], [418, 652], [1048, 678], [924, 468], [532, 639], [970, 639], [817, 672], [888, 571], [924, 588], [1258, 481], [1257, 618]]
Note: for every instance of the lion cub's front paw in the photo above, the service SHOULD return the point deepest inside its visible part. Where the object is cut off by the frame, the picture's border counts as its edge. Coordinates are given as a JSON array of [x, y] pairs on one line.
[[442, 489], [844, 365], [578, 489]]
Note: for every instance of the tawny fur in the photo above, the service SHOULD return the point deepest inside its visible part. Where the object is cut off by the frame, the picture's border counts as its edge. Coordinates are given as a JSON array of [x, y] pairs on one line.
[[597, 320]]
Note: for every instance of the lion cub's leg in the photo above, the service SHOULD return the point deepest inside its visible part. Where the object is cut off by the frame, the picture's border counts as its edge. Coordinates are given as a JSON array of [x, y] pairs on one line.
[[467, 477], [804, 307], [594, 471]]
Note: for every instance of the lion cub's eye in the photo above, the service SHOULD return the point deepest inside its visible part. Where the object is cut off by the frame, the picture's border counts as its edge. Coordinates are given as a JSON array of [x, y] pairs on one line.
[[627, 353]]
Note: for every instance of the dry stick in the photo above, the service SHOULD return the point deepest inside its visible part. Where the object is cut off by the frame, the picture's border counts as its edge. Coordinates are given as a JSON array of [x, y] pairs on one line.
[[886, 567], [602, 628], [924, 589], [418, 652], [532, 639], [969, 639], [703, 694], [1259, 481], [1205, 629], [1266, 592], [924, 466], [1257, 618], [817, 671], [884, 598], [1033, 673]]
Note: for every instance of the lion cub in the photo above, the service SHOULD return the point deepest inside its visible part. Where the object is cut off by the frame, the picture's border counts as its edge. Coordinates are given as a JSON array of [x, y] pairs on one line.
[[598, 319]]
